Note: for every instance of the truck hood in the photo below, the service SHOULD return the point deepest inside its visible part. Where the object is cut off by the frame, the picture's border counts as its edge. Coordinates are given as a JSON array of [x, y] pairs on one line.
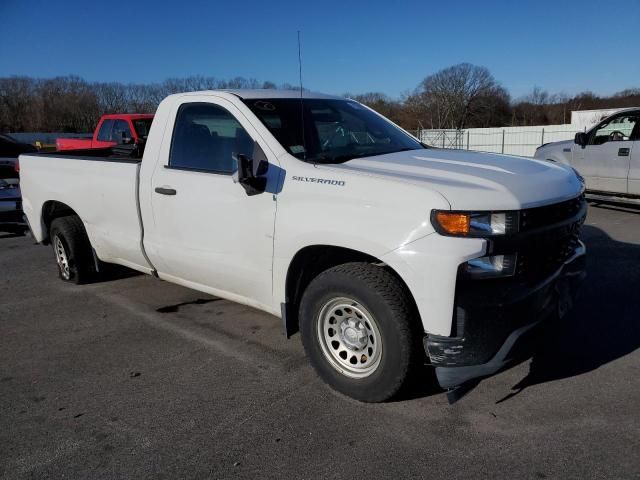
[[563, 143], [475, 180], [553, 147]]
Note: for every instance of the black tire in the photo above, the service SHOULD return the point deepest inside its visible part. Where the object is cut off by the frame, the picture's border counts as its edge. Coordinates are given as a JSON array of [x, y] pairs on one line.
[[386, 299], [77, 248]]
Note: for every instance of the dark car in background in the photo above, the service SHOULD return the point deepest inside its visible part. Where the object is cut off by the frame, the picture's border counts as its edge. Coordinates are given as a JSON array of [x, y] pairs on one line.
[[11, 217]]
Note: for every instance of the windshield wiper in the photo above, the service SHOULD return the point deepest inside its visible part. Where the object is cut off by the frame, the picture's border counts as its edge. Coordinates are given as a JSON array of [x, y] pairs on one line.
[[336, 158]]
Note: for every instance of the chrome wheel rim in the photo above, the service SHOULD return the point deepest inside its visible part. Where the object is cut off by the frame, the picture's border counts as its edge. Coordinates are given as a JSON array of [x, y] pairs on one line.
[[61, 258], [349, 337]]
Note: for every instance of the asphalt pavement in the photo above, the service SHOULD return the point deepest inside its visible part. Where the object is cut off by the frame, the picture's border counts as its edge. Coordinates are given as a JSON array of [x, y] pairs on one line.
[[138, 378]]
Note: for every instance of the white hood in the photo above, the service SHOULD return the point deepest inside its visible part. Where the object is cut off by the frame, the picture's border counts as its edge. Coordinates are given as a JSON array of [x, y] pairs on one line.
[[474, 180], [553, 149], [562, 143]]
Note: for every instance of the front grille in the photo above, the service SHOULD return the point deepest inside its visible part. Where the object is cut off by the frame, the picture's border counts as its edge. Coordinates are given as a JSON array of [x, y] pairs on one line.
[[548, 236], [539, 217], [546, 254]]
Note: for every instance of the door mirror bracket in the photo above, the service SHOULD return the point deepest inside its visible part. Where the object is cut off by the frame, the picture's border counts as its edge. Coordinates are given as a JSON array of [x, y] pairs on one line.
[[581, 139], [250, 171]]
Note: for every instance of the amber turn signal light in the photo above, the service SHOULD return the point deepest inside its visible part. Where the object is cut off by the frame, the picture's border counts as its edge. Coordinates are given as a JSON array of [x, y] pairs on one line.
[[454, 223]]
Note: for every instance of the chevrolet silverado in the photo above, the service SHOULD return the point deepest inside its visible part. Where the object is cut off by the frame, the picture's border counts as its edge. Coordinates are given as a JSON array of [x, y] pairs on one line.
[[383, 253]]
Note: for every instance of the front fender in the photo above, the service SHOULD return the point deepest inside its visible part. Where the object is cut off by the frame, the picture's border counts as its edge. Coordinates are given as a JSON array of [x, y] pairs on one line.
[[429, 267]]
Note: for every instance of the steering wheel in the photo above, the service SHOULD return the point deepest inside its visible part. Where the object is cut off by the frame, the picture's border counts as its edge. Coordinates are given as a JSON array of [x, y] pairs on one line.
[[616, 135], [339, 131]]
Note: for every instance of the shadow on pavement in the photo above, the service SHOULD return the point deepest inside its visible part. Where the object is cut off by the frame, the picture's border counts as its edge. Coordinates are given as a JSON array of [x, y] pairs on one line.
[[111, 272], [604, 324], [423, 383], [615, 206], [175, 307], [12, 233]]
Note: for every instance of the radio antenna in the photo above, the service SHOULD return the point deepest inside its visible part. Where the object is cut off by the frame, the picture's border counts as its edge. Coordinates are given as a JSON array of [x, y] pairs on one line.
[[304, 142]]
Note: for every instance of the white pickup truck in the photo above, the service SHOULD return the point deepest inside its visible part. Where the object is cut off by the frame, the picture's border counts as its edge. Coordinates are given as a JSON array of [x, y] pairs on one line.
[[382, 252], [607, 156]]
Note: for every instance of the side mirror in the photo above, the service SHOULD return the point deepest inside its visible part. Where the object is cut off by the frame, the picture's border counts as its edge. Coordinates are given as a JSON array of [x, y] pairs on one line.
[[250, 171], [581, 139]]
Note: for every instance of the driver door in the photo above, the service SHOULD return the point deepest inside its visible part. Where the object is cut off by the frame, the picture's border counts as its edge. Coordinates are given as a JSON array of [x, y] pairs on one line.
[[604, 162], [206, 232]]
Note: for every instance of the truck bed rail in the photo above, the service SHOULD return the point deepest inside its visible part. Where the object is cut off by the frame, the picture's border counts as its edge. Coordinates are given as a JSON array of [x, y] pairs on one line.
[[119, 153]]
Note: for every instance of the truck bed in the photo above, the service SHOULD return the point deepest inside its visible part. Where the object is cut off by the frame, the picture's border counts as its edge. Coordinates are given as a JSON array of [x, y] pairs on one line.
[[100, 185]]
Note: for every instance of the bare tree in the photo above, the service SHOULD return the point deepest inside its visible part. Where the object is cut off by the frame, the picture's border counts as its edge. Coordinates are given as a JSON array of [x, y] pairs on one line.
[[69, 104], [460, 96], [20, 104], [541, 108], [457, 95], [112, 97], [381, 103], [144, 98]]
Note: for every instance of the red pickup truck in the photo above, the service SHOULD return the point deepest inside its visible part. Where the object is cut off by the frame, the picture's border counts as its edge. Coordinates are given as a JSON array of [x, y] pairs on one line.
[[112, 130]]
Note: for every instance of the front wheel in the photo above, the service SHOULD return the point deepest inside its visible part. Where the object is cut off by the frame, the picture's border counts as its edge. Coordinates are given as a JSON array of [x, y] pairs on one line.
[[355, 321]]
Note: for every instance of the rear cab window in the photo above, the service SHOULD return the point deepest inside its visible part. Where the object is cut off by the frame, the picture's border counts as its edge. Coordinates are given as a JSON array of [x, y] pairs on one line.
[[142, 126]]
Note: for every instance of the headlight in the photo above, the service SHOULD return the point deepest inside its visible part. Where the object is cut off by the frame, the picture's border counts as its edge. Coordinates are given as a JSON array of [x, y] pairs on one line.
[[474, 224], [491, 266]]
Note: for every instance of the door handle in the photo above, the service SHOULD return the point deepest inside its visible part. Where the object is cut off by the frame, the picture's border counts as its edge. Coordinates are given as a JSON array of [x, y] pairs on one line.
[[623, 152], [165, 191]]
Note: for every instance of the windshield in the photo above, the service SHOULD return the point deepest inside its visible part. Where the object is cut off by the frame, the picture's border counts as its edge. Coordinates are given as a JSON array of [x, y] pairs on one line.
[[334, 130], [142, 126]]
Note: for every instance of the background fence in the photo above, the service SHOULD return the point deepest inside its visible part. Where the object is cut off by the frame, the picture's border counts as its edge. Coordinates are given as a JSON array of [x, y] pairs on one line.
[[512, 140]]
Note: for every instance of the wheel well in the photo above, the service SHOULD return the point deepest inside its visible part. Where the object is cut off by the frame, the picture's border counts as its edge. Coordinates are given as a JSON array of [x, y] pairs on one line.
[[308, 263], [51, 210]]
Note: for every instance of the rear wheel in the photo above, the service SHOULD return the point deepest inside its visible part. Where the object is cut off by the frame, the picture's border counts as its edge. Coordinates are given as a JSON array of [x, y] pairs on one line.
[[355, 321], [72, 250]]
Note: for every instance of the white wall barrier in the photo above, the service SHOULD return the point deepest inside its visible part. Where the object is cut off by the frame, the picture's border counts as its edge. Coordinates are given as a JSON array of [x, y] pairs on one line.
[[512, 140]]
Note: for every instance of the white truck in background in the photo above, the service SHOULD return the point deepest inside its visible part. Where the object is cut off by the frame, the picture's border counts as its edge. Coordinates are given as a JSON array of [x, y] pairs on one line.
[[382, 252], [607, 156]]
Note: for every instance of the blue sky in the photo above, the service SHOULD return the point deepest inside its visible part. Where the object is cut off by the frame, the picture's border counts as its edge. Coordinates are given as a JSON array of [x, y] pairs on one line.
[[348, 46]]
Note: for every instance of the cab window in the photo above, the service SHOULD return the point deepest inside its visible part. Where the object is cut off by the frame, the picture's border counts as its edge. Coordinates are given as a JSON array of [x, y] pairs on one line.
[[104, 134], [206, 137], [121, 131], [617, 129]]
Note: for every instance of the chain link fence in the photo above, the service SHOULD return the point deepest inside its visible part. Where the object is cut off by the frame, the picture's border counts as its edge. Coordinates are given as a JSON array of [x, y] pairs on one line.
[[511, 140]]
